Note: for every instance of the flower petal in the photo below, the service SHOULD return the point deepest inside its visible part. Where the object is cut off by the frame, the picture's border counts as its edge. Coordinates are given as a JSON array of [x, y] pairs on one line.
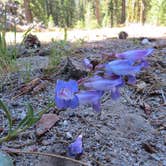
[[103, 84], [123, 67], [87, 63], [65, 94], [90, 97], [73, 85], [135, 55], [60, 103], [74, 103], [76, 147]]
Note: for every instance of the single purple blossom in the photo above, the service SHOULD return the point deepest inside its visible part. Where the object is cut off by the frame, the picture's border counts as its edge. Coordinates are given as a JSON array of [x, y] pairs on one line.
[[102, 84], [65, 94], [87, 64], [135, 55], [76, 148], [123, 67], [90, 97]]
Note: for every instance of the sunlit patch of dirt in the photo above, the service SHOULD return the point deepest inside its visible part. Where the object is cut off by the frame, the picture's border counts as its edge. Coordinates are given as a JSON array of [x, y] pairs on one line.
[[133, 30]]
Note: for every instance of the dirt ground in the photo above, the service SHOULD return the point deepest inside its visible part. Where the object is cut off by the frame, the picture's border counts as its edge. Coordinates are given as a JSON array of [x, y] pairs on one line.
[[133, 30], [130, 131]]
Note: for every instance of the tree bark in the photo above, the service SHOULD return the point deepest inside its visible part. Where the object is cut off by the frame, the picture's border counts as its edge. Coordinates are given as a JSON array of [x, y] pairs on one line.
[[123, 12], [143, 12], [28, 12], [112, 13], [97, 11]]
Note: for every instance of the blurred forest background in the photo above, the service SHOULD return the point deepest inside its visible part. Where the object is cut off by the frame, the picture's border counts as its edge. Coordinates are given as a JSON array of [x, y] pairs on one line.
[[81, 13]]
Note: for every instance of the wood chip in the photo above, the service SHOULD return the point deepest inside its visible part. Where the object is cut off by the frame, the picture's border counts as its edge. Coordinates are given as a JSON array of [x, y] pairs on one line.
[[45, 123], [35, 86], [149, 148]]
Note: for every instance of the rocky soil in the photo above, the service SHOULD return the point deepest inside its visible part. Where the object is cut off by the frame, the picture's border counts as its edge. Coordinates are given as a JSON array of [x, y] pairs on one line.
[[129, 132]]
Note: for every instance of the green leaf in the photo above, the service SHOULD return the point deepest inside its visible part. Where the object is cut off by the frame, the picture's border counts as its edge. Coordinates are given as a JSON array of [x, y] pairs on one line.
[[29, 120], [8, 115]]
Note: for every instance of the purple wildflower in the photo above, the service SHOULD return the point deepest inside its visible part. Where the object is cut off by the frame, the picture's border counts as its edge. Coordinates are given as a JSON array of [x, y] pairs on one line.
[[123, 67], [102, 84], [135, 55], [87, 64], [90, 97], [65, 94], [76, 148]]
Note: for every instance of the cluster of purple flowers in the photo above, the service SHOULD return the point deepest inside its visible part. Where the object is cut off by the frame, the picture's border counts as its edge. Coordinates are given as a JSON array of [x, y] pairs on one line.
[[108, 77]]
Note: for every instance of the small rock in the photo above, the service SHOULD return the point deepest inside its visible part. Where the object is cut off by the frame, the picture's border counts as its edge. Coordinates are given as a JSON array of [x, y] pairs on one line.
[[32, 63], [122, 35], [69, 135], [31, 41], [65, 123], [131, 123], [22, 115], [5, 159], [145, 42], [72, 114], [141, 85], [107, 157], [97, 136], [73, 69]]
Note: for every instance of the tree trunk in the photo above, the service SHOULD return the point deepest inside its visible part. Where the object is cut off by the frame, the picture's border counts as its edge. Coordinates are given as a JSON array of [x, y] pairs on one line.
[[116, 11], [97, 11], [143, 12], [112, 13], [123, 12], [28, 13]]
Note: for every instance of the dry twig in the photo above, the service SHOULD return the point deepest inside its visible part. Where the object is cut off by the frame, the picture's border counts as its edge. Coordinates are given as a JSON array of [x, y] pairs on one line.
[[47, 154]]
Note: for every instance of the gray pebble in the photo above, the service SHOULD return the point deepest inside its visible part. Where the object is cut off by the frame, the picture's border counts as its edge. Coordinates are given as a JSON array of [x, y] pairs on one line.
[[69, 135]]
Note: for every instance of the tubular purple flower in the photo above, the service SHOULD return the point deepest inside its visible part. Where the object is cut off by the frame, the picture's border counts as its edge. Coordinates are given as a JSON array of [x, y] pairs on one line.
[[90, 97], [87, 64], [123, 67], [65, 94], [135, 55], [115, 94], [102, 84], [76, 148]]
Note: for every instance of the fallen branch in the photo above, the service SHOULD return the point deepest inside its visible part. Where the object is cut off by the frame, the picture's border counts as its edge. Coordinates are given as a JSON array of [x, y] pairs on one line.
[[45, 154]]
